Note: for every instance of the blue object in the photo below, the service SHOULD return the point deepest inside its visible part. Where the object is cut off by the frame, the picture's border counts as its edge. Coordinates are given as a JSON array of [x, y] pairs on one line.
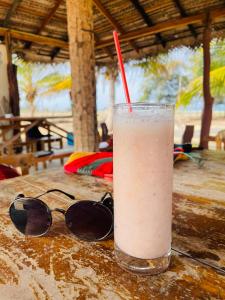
[[70, 139]]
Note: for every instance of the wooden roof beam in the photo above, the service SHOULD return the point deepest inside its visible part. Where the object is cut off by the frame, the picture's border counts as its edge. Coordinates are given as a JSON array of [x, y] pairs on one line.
[[36, 13], [108, 16], [215, 14], [113, 22], [106, 49], [49, 16], [56, 50], [11, 11], [184, 14], [147, 20], [165, 26], [34, 38], [46, 20]]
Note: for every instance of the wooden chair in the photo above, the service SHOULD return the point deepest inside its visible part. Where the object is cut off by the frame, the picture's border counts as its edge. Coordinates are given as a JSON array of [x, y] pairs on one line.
[[188, 134], [104, 132], [105, 138], [23, 161], [220, 139], [37, 140], [40, 157]]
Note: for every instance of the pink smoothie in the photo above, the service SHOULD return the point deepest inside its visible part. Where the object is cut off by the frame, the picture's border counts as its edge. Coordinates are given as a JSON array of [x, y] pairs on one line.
[[143, 165]]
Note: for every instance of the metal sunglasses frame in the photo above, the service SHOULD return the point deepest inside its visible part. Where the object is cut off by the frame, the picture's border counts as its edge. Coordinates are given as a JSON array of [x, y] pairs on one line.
[[106, 201]]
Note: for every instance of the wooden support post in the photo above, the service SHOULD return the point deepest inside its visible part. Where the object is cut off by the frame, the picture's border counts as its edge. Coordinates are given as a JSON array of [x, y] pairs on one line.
[[208, 99], [113, 73], [4, 84], [82, 59], [8, 47], [12, 79]]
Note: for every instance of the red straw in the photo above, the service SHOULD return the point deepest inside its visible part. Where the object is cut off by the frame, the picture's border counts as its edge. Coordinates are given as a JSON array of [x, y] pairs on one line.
[[121, 65]]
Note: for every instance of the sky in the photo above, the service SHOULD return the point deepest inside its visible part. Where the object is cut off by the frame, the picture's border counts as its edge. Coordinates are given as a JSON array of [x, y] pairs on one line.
[[61, 100], [135, 78]]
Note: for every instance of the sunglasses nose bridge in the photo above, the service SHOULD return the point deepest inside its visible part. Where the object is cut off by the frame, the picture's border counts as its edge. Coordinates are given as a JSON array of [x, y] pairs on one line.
[[60, 210], [19, 196]]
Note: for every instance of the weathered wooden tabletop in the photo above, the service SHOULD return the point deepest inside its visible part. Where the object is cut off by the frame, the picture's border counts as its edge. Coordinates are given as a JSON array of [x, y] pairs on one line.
[[58, 266]]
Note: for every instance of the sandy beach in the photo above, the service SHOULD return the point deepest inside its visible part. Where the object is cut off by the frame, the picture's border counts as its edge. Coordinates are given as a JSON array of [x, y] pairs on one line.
[[181, 120]]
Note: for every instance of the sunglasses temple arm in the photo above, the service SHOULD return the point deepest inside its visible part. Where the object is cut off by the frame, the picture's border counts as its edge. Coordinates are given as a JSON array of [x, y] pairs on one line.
[[104, 196], [56, 190]]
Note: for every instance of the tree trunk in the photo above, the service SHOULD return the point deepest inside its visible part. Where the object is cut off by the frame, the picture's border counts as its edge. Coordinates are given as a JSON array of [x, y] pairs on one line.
[[32, 109], [82, 59], [112, 96], [208, 99]]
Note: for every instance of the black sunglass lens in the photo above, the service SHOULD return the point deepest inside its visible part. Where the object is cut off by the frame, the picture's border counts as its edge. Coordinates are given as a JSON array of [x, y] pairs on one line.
[[30, 216], [89, 220]]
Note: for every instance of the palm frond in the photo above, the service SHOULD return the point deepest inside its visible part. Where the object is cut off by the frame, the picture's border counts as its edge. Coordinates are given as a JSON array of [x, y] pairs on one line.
[[50, 80], [59, 86], [217, 84]]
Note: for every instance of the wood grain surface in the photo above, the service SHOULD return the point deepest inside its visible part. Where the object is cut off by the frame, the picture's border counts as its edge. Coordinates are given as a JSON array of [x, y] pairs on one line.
[[58, 266]]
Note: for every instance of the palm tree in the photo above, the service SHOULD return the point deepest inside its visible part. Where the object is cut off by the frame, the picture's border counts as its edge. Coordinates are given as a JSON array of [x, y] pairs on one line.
[[163, 76], [194, 88], [213, 89], [110, 73], [217, 76], [33, 81], [64, 83]]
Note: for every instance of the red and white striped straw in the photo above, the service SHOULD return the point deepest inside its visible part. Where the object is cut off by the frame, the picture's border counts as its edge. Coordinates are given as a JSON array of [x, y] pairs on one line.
[[121, 66]]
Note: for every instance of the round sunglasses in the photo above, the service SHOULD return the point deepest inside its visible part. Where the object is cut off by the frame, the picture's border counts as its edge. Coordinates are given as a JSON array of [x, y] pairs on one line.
[[87, 219]]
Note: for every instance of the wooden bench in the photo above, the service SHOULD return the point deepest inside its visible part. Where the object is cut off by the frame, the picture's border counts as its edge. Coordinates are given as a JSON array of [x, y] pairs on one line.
[[44, 157], [32, 143], [34, 139]]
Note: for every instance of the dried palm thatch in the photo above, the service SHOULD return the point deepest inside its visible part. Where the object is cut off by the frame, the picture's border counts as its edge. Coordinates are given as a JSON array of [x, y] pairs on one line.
[[39, 28]]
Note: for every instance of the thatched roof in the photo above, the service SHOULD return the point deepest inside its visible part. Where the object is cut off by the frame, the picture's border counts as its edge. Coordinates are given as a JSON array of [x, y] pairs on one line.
[[39, 28]]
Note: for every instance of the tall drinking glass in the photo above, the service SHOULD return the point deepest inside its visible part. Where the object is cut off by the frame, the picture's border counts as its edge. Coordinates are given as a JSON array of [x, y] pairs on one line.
[[143, 172]]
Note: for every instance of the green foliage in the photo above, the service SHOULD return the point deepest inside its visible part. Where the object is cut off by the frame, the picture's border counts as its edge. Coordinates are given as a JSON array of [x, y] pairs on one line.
[[163, 78], [64, 83], [217, 75], [49, 80], [34, 81], [193, 89]]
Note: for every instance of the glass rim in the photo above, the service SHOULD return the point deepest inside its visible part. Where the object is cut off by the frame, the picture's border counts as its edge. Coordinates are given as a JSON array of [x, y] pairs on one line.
[[145, 105]]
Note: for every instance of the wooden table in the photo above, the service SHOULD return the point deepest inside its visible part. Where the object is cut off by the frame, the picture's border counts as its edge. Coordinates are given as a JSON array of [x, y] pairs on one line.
[[58, 266]]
